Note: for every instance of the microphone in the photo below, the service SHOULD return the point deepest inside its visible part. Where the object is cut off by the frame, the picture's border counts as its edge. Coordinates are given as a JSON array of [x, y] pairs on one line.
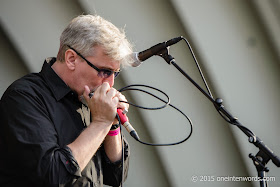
[[127, 125], [138, 58]]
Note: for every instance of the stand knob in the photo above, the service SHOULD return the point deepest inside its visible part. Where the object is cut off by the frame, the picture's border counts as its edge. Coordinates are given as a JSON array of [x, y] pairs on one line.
[[252, 139], [219, 101]]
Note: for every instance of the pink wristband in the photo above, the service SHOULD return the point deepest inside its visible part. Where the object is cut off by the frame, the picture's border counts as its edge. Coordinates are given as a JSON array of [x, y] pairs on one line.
[[114, 132]]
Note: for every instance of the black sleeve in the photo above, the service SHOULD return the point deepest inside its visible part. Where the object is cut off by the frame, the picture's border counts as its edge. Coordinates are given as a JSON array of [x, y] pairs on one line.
[[30, 142], [113, 171]]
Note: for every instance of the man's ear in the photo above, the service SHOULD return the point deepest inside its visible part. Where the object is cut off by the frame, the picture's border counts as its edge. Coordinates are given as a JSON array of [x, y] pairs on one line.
[[70, 59]]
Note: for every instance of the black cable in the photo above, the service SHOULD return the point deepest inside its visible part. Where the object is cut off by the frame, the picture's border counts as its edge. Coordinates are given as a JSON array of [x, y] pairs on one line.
[[235, 123], [198, 67], [175, 143], [126, 88], [209, 92], [118, 117]]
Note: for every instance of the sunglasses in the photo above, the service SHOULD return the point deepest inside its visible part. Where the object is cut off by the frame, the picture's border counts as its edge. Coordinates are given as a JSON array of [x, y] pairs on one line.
[[103, 73]]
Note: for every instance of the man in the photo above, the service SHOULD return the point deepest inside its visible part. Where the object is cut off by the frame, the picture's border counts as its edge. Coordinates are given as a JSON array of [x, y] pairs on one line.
[[52, 132]]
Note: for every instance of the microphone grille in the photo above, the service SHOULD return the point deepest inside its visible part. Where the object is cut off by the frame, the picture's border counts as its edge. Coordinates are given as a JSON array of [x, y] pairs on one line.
[[133, 60], [136, 61]]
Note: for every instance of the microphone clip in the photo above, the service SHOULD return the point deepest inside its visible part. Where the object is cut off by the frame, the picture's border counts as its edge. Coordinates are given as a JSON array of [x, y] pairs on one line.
[[166, 55]]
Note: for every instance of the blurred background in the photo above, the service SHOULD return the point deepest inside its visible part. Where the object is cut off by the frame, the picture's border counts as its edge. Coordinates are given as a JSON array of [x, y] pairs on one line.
[[237, 44]]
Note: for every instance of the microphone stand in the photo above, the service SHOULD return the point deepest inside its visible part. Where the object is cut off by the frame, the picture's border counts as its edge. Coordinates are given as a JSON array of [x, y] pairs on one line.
[[264, 155]]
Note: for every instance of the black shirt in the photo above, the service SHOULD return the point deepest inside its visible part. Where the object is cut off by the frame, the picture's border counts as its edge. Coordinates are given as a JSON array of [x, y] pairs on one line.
[[39, 117]]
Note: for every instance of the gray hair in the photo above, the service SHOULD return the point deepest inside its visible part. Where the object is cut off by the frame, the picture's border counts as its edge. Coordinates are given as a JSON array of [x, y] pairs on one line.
[[87, 31]]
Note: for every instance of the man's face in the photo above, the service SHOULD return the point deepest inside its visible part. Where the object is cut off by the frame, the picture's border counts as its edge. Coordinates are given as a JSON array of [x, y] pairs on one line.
[[87, 75]]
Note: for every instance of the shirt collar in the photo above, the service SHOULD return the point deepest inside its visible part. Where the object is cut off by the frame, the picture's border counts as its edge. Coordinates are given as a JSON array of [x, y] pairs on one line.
[[55, 83]]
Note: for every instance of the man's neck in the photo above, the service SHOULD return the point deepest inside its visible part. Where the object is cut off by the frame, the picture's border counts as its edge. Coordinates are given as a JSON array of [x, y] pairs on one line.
[[61, 70]]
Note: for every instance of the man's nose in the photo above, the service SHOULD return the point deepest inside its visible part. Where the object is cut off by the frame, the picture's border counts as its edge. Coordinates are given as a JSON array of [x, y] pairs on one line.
[[110, 80]]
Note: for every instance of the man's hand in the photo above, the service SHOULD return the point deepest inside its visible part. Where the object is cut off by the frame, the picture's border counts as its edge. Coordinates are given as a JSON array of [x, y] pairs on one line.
[[103, 104], [123, 106]]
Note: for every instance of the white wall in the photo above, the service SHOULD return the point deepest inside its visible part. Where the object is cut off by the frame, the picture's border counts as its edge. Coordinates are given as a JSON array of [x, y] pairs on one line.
[[11, 64], [240, 61]]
